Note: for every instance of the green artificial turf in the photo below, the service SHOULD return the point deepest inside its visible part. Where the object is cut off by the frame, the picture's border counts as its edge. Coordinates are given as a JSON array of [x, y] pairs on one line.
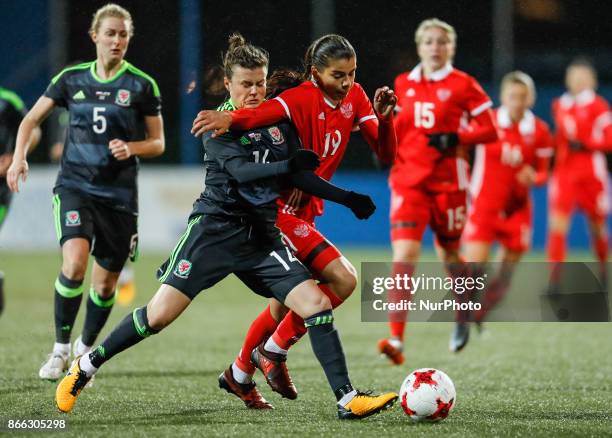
[[530, 379]]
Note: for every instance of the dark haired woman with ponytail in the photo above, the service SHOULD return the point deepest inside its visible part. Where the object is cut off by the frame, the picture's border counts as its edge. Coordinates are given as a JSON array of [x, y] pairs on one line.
[[232, 230], [324, 109]]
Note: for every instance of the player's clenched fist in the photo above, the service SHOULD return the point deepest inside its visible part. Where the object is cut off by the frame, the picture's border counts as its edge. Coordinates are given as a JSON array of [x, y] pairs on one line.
[[384, 101], [119, 149]]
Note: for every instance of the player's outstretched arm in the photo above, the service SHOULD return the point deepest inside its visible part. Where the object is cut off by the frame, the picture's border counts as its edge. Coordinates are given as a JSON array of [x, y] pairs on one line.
[[361, 205], [27, 135], [243, 119], [153, 146], [244, 170], [232, 157]]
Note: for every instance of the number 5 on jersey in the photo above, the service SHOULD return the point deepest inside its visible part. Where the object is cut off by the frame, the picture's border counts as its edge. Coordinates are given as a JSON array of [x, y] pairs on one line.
[[99, 121]]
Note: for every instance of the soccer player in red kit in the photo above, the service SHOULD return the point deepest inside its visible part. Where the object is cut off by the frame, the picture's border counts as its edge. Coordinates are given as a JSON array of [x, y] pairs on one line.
[[503, 172], [583, 124], [430, 176], [325, 108]]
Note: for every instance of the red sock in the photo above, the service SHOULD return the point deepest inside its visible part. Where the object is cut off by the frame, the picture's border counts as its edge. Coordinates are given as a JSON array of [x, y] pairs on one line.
[[397, 319], [600, 246], [556, 255], [291, 328], [495, 291], [259, 330], [556, 246], [454, 271]]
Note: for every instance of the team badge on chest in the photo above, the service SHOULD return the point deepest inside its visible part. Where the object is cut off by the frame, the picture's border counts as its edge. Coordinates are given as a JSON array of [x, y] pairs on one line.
[[123, 98], [276, 134], [443, 94], [347, 110]]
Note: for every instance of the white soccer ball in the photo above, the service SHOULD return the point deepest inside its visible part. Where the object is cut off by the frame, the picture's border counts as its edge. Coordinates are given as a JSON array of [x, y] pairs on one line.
[[428, 394]]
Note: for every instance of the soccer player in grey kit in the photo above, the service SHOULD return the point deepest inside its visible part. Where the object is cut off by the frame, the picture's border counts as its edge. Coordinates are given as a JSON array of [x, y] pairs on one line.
[[115, 118], [232, 230]]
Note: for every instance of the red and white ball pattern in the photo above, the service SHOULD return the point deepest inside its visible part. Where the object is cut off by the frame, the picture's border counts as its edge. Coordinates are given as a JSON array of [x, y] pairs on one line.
[[428, 394]]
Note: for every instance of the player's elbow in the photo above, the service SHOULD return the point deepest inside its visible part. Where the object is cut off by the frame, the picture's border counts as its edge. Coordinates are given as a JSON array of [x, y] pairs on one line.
[[35, 137], [158, 147], [30, 122]]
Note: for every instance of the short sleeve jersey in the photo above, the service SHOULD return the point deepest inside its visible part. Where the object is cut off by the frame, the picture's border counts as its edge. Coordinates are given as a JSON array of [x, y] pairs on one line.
[[100, 111], [444, 102], [324, 128], [497, 164], [583, 119]]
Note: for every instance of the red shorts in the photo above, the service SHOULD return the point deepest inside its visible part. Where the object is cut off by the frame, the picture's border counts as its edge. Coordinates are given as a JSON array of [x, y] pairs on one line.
[[487, 224], [413, 209], [588, 193], [308, 244]]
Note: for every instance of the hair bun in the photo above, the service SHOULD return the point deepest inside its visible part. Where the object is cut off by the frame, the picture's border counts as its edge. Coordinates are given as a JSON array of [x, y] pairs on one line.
[[235, 40]]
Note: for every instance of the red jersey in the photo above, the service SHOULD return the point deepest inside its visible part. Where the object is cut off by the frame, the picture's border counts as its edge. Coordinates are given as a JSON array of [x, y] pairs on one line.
[[494, 177], [322, 127], [439, 104], [585, 119]]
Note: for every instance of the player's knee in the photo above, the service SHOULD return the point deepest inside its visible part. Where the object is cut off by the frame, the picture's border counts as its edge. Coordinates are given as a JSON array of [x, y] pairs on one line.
[[406, 253], [558, 223], [320, 304], [74, 268], [104, 288], [344, 284], [145, 324]]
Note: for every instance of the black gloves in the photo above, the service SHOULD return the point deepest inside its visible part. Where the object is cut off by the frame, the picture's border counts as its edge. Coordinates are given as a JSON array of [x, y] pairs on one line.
[[362, 206], [444, 141], [303, 159]]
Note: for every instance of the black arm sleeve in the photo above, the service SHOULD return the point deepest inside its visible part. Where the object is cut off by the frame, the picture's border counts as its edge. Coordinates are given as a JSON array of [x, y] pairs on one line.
[[234, 158], [309, 182], [244, 171], [315, 185]]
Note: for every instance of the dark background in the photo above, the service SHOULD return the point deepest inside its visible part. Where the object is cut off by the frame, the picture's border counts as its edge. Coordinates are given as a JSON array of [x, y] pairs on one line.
[[547, 35]]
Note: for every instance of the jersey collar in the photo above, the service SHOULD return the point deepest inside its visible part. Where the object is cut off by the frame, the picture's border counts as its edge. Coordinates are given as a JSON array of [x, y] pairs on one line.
[[227, 105], [583, 98], [325, 99], [526, 125], [124, 67], [417, 73]]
